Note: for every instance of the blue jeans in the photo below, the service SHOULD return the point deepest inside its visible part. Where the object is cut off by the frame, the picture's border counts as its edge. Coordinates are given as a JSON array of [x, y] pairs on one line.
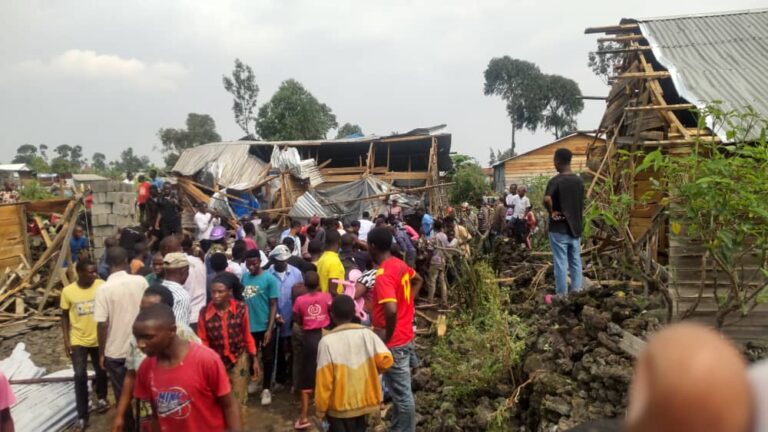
[[398, 381], [566, 254]]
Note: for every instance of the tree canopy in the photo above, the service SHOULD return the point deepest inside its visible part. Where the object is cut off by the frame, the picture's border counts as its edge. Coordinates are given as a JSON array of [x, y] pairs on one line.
[[129, 162], [603, 63], [242, 85], [469, 182], [533, 99], [201, 129], [68, 158], [563, 105], [36, 160], [293, 113], [348, 129]]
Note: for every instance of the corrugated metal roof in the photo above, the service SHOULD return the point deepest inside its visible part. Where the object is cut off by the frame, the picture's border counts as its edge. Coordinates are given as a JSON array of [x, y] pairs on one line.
[[88, 177], [229, 162], [14, 167], [719, 57]]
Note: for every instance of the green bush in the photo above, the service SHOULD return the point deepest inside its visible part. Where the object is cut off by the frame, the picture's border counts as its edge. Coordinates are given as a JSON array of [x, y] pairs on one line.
[[469, 184], [34, 191]]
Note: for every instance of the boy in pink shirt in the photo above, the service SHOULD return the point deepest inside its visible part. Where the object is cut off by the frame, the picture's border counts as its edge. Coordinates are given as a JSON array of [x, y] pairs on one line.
[[311, 312]]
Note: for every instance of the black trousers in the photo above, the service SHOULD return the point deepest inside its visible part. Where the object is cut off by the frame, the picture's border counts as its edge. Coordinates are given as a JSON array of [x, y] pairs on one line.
[[267, 356], [354, 424], [116, 371], [80, 356]]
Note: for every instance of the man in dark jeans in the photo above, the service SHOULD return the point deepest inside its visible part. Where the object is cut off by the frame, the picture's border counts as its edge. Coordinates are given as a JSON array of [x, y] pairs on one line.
[[80, 339], [564, 200]]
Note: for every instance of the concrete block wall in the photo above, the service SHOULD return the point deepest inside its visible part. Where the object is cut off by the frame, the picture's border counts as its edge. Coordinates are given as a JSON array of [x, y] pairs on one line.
[[113, 208]]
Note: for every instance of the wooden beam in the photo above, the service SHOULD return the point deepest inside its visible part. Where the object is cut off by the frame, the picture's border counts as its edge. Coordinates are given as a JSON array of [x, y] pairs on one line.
[[673, 107], [623, 50], [642, 75], [626, 38], [611, 28]]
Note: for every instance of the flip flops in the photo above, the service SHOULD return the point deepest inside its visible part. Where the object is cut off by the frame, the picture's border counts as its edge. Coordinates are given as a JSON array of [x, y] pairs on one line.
[[299, 425]]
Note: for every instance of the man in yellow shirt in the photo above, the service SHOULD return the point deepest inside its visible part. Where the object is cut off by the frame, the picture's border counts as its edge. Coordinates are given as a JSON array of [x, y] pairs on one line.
[[80, 340], [329, 266]]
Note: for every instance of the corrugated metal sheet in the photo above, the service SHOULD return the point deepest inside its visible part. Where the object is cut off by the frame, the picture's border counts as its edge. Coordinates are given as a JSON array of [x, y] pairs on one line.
[[288, 159], [720, 57], [39, 407], [229, 162]]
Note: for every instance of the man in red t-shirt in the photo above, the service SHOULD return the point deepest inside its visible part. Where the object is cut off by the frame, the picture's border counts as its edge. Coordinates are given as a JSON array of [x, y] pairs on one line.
[[185, 382], [142, 197], [394, 292]]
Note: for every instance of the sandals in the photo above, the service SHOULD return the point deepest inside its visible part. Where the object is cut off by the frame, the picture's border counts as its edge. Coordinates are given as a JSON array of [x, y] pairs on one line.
[[301, 426]]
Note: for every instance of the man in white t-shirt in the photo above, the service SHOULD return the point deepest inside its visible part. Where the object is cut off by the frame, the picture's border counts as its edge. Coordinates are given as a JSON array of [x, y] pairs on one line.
[[519, 224], [511, 196], [365, 226], [205, 221]]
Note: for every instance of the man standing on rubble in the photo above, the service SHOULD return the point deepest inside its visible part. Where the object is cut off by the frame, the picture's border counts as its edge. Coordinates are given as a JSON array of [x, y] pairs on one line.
[[396, 288], [564, 200], [116, 306], [80, 338]]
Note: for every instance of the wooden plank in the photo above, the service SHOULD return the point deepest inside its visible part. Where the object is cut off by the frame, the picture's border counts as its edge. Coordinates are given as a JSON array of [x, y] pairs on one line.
[[631, 344], [622, 50], [611, 28], [43, 232], [672, 107], [642, 75], [625, 38]]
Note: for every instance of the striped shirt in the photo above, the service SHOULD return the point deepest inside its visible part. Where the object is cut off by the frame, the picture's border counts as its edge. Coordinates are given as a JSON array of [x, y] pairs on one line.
[[181, 304]]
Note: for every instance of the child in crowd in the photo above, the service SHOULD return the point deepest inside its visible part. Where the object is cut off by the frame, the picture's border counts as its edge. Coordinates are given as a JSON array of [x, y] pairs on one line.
[[139, 258], [310, 311], [349, 361]]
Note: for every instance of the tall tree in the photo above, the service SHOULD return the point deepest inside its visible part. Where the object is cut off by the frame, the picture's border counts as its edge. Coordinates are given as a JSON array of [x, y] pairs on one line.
[[130, 162], [99, 162], [492, 159], [294, 113], [603, 62], [201, 129], [43, 151], [521, 85], [244, 89], [564, 103], [348, 129], [25, 154], [69, 158]]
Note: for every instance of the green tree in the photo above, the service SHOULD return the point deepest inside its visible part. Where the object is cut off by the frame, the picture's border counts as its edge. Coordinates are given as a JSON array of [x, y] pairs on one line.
[[69, 159], [522, 86], [43, 152], [294, 113], [603, 62], [564, 103], [25, 154], [201, 129], [492, 159], [469, 182], [130, 162], [244, 89], [99, 162], [348, 129]]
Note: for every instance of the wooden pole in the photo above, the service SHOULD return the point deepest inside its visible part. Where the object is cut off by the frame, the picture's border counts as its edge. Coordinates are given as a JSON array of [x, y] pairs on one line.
[[56, 272]]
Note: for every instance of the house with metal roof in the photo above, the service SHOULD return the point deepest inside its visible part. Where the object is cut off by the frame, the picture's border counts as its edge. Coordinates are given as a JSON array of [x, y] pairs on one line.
[[666, 68]]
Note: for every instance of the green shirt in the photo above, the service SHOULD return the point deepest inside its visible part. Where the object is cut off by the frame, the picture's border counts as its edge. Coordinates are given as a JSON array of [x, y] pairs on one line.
[[258, 291]]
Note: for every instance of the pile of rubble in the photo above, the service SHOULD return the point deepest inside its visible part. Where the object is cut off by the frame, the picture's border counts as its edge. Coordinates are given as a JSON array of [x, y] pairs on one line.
[[577, 361]]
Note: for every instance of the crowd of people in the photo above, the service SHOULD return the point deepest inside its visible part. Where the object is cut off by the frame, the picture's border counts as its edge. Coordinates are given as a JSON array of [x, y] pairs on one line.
[[186, 326]]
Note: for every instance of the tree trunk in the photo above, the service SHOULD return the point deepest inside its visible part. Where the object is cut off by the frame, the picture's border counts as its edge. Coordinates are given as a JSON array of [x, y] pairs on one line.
[[512, 152]]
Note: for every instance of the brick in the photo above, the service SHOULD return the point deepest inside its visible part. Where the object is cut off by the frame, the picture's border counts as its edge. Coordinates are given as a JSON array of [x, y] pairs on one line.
[[99, 209]]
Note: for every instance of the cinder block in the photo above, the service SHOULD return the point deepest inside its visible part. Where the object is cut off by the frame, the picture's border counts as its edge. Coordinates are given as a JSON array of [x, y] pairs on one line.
[[103, 208], [101, 186], [114, 186], [99, 219], [111, 197], [129, 198], [99, 197], [104, 231], [125, 187], [121, 209]]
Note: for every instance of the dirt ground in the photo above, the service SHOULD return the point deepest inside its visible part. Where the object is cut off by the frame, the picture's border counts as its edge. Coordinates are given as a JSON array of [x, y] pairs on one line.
[[47, 350]]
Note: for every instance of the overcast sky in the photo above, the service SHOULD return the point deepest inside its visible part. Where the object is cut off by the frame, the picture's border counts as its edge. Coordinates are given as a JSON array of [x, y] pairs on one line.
[[108, 74]]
